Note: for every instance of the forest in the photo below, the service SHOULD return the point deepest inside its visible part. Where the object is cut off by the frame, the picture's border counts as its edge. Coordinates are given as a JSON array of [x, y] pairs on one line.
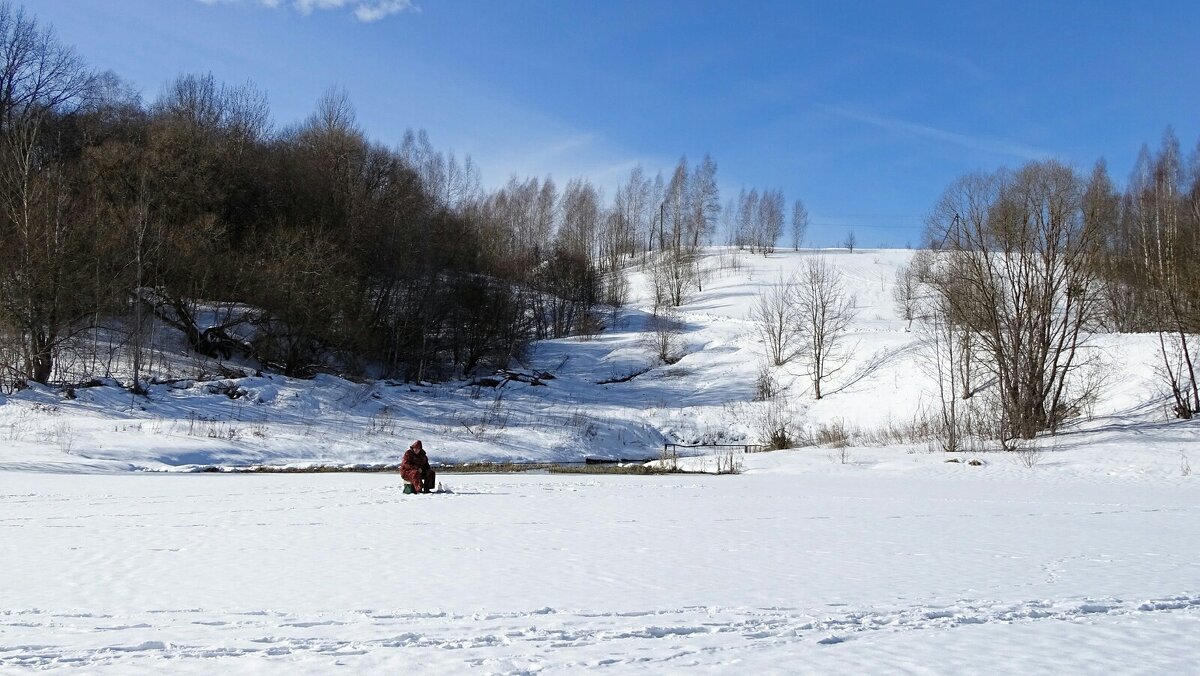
[[310, 248], [307, 248]]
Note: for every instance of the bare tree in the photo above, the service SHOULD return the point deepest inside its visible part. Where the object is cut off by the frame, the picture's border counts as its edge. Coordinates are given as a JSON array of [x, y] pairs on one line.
[[633, 204], [145, 252], [199, 161], [705, 202], [906, 294], [773, 420], [946, 345], [674, 274], [663, 337], [776, 315], [799, 224], [657, 206], [512, 227], [310, 297], [570, 287], [545, 218], [582, 216], [1165, 224], [943, 348], [677, 212], [728, 223], [41, 81], [850, 242], [747, 219], [616, 293], [1021, 279], [1124, 297], [770, 220], [613, 236], [825, 310]]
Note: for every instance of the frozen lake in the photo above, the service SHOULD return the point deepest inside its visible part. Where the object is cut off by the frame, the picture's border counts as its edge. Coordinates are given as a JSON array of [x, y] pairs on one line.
[[938, 569]]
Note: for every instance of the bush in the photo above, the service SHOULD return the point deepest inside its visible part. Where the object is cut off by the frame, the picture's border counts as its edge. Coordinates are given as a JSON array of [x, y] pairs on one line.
[[774, 424], [765, 387]]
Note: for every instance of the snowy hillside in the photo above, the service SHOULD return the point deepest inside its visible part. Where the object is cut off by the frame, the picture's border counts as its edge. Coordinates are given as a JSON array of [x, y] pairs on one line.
[[868, 559], [610, 395]]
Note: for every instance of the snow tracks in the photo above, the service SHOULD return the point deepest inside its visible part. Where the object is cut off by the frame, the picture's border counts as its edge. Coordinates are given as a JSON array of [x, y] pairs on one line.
[[195, 640]]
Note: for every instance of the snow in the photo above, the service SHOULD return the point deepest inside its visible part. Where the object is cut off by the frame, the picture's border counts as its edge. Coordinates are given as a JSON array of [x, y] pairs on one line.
[[118, 557], [706, 397], [797, 565]]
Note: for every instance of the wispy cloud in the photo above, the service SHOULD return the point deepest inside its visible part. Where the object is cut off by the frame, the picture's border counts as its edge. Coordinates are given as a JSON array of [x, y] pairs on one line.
[[980, 143], [366, 11]]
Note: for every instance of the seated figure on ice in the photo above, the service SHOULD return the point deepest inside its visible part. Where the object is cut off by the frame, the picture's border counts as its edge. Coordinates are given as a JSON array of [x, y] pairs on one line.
[[415, 469]]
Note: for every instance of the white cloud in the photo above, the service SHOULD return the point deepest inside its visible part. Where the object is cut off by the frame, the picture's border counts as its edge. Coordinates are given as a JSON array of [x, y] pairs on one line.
[[365, 11], [374, 11]]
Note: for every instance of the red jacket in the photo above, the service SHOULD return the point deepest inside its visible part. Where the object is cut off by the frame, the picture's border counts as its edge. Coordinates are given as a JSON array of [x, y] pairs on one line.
[[415, 463]]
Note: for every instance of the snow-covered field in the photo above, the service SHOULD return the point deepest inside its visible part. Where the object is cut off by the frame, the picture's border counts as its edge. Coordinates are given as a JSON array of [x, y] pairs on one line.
[[799, 565], [875, 559]]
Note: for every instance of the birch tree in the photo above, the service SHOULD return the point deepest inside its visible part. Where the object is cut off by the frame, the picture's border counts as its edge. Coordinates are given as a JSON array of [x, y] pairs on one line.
[[799, 224], [825, 309], [41, 81]]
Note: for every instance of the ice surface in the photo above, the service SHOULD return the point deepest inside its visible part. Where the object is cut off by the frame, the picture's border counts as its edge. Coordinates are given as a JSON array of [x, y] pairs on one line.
[[929, 570]]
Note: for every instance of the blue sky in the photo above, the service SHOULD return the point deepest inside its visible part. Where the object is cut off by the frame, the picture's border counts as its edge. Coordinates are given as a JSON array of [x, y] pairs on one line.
[[866, 110]]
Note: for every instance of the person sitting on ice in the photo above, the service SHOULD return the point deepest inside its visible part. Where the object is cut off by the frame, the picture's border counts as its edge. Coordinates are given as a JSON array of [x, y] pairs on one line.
[[415, 469]]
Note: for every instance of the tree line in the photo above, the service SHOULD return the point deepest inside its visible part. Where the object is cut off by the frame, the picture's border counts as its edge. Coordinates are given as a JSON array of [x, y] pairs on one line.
[[306, 248], [1019, 271], [1022, 268]]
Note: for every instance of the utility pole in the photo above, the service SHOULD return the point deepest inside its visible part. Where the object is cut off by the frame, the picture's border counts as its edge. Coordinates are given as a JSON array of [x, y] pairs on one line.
[[662, 240]]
